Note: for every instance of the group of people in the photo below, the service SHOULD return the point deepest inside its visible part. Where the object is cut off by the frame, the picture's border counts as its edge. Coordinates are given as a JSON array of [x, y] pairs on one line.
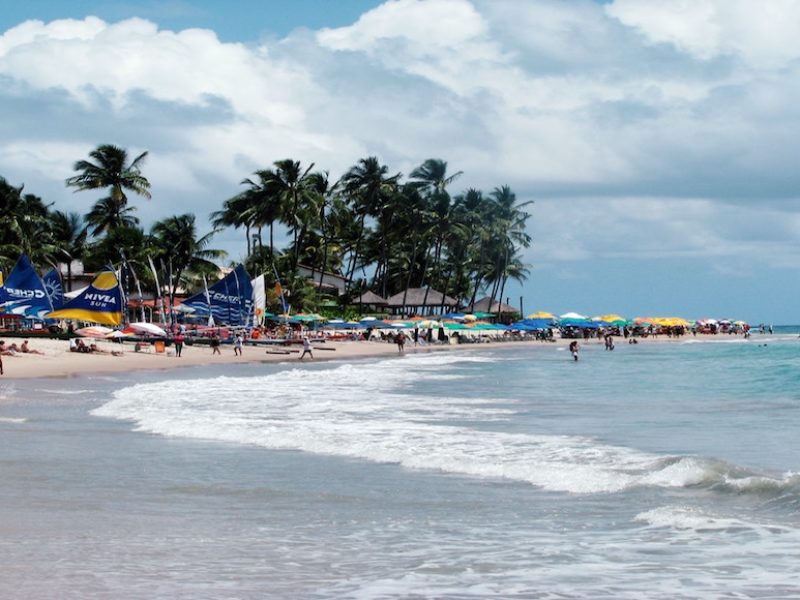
[[78, 345], [12, 350]]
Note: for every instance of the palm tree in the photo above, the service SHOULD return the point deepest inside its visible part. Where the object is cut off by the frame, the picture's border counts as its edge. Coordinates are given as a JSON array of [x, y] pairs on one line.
[[69, 238], [290, 183], [237, 212], [24, 226], [177, 243], [111, 170], [367, 185], [432, 180], [108, 214], [431, 176]]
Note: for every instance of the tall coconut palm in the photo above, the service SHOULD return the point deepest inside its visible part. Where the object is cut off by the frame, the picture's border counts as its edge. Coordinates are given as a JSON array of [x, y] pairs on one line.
[[367, 185], [289, 181], [431, 176], [237, 212], [177, 243], [111, 169], [108, 214]]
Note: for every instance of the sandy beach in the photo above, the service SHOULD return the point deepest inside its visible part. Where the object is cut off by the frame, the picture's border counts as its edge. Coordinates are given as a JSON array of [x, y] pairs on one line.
[[58, 361]]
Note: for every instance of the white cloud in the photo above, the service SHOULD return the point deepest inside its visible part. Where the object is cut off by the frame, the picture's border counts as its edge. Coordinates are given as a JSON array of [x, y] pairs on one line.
[[763, 34], [634, 100]]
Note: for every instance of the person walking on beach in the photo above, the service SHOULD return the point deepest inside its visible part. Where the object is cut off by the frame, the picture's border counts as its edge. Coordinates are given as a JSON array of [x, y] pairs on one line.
[[237, 345], [573, 347], [400, 340], [215, 345], [306, 348], [179, 339]]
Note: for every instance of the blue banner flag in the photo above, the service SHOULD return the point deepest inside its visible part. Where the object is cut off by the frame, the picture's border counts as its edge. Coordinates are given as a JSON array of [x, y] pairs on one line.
[[230, 299], [101, 302], [52, 285], [23, 292]]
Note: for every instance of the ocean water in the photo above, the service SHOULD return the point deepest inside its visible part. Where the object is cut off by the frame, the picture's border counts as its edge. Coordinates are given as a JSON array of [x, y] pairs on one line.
[[653, 471]]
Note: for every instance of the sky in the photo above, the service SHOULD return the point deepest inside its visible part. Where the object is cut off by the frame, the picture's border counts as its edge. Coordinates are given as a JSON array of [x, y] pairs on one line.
[[658, 140]]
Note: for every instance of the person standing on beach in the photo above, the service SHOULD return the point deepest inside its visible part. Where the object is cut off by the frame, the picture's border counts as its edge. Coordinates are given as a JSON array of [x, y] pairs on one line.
[[400, 340], [306, 348], [573, 347], [179, 339], [237, 344], [215, 345]]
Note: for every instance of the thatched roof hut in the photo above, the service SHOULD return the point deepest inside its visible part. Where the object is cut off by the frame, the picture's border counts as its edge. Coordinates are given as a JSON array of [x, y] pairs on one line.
[[420, 299], [483, 305], [370, 298]]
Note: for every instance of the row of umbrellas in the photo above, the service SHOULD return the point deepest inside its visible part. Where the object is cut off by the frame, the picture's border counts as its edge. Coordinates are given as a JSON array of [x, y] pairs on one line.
[[573, 318]]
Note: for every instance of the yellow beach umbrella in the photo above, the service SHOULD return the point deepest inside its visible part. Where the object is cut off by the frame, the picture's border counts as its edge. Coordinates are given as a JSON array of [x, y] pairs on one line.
[[609, 318], [469, 318], [541, 315]]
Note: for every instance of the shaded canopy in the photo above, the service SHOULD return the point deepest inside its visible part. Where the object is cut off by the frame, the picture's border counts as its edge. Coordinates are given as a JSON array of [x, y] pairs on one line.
[[416, 297], [370, 298], [483, 305]]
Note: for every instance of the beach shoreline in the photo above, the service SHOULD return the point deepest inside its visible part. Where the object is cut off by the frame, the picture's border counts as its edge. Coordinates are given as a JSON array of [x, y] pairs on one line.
[[58, 362]]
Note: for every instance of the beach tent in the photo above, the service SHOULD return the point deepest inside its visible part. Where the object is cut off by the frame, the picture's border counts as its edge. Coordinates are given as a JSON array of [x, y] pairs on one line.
[[100, 302]]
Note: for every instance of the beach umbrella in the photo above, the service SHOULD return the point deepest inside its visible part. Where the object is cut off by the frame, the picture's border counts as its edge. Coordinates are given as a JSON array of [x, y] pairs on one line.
[[148, 328], [612, 318], [573, 316], [541, 315], [367, 319], [95, 331], [118, 334], [470, 318]]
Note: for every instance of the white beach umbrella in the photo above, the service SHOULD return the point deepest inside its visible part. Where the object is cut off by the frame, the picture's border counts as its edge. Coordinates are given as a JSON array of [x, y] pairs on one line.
[[95, 331], [148, 328], [573, 315]]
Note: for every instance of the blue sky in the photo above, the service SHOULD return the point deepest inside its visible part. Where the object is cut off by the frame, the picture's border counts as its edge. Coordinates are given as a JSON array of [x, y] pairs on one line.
[[657, 140]]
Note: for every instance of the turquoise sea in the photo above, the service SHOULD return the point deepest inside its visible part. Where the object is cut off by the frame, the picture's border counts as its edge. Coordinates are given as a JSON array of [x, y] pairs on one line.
[[653, 471]]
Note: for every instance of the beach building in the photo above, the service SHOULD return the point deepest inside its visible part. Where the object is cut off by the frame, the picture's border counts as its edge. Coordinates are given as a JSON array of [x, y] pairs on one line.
[[371, 300], [420, 301], [326, 281]]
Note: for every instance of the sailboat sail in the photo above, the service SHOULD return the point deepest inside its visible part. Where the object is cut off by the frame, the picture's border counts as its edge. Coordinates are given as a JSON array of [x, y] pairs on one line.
[[101, 302], [229, 301], [23, 292], [54, 289]]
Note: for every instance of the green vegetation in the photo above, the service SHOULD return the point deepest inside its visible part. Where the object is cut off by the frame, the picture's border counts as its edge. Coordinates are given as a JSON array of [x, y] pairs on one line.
[[378, 231]]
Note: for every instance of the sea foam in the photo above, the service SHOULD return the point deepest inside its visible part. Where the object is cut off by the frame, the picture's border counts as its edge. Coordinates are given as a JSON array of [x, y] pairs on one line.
[[374, 411]]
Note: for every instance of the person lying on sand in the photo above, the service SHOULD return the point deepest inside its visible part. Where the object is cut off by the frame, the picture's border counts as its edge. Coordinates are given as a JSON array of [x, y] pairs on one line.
[[10, 350], [96, 348], [26, 350]]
